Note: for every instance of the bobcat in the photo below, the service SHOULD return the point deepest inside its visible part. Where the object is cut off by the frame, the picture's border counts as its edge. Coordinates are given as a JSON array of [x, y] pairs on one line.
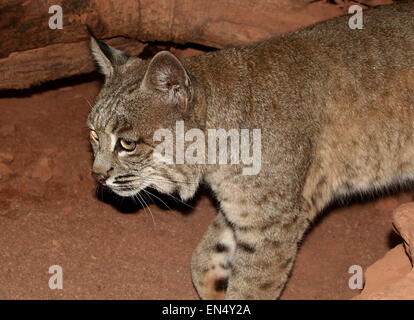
[[335, 107]]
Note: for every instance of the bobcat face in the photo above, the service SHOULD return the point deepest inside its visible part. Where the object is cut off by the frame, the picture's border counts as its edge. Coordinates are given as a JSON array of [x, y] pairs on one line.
[[137, 99]]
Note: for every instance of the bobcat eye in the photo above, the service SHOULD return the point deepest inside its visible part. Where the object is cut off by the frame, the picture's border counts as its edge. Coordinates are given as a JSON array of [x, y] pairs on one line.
[[127, 145], [94, 135]]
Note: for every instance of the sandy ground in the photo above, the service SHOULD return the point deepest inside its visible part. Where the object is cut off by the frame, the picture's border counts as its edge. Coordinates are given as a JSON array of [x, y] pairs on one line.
[[51, 213]]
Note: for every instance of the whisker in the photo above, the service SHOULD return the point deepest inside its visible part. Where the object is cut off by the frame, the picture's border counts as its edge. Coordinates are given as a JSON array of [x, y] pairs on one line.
[[135, 198], [152, 216], [151, 194], [87, 101], [181, 201], [176, 181], [156, 178]]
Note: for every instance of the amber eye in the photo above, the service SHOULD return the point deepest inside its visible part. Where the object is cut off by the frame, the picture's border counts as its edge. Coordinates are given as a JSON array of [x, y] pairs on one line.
[[94, 135], [127, 145]]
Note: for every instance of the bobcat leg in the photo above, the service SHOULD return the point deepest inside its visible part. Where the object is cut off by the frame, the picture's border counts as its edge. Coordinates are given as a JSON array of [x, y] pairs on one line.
[[263, 259], [211, 263]]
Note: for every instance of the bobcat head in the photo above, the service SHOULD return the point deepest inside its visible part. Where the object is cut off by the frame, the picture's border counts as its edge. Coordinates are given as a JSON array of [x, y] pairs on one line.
[[138, 98]]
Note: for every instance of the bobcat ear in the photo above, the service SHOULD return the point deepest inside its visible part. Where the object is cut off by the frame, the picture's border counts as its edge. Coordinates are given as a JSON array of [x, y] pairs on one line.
[[106, 56], [166, 73]]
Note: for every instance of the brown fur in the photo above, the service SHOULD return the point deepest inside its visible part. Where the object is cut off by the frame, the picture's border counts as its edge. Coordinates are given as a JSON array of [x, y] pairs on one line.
[[336, 110]]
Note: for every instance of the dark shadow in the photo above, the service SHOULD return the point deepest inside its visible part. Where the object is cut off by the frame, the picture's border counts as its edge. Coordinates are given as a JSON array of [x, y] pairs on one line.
[[394, 239], [154, 47], [362, 198], [52, 85], [131, 205]]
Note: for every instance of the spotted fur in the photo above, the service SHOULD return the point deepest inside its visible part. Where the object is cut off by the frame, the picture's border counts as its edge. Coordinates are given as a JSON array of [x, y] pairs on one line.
[[336, 110]]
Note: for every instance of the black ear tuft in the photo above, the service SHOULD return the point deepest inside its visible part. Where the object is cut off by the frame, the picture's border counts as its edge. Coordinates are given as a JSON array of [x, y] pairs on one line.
[[106, 56], [89, 30], [102, 45]]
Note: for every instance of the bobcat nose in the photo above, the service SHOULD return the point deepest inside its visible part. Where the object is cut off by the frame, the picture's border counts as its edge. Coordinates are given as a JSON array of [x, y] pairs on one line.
[[100, 177]]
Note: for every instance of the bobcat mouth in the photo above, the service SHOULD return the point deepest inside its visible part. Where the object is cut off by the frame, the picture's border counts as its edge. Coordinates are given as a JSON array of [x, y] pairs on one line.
[[126, 189], [125, 185], [125, 192], [130, 185]]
